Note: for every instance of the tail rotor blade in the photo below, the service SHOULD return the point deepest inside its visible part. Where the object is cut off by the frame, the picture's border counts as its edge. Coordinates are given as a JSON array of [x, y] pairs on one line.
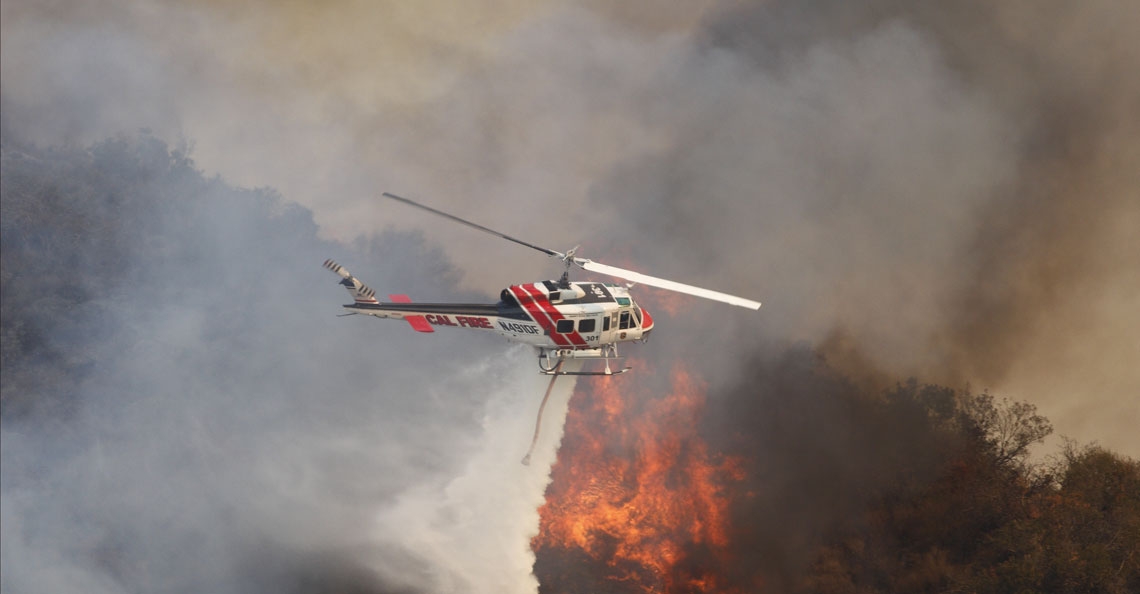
[[337, 268]]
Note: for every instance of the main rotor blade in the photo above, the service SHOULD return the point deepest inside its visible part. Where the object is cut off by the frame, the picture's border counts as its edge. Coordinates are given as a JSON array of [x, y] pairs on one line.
[[661, 283], [473, 225]]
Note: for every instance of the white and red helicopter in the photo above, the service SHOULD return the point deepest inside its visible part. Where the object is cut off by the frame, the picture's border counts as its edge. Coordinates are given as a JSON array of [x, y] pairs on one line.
[[563, 320]]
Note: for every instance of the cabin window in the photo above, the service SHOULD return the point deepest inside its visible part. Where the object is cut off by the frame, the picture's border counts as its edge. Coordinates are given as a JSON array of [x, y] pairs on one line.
[[587, 325], [624, 321], [606, 324], [565, 326], [637, 315], [623, 300]]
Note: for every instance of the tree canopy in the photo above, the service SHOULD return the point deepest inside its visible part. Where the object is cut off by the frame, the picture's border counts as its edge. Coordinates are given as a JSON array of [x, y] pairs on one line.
[[990, 521]]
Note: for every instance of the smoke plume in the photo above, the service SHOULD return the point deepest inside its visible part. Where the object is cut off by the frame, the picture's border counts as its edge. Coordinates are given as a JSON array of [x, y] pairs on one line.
[[182, 411], [933, 189]]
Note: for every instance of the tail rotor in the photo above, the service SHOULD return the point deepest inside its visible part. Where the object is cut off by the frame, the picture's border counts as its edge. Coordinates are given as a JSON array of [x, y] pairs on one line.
[[360, 292]]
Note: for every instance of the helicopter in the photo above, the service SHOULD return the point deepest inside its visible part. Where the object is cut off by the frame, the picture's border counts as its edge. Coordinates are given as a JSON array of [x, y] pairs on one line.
[[564, 320]]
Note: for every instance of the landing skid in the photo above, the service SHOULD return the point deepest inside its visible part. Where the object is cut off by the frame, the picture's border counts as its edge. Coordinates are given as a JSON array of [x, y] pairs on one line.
[[606, 372], [554, 358]]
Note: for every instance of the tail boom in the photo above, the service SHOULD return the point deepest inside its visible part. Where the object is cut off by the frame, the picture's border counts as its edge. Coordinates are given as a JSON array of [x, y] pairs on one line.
[[505, 318]]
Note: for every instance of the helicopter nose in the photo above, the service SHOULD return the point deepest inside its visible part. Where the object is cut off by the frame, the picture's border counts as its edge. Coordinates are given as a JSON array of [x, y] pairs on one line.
[[646, 321]]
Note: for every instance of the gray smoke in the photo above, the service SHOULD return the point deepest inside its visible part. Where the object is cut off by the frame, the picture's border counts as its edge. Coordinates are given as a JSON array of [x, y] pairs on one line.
[[939, 189], [183, 412]]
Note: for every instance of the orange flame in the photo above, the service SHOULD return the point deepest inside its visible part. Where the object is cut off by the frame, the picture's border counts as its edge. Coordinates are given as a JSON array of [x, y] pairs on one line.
[[636, 491]]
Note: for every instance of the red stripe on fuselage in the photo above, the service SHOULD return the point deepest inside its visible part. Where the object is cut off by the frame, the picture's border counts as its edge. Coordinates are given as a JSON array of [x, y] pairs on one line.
[[554, 314], [527, 303]]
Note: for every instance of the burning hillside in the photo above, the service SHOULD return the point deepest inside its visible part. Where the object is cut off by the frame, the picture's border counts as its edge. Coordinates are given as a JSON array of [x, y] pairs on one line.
[[638, 503], [798, 480]]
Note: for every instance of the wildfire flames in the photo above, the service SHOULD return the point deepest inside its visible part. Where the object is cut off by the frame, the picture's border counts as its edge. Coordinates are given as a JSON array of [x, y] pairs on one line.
[[636, 503]]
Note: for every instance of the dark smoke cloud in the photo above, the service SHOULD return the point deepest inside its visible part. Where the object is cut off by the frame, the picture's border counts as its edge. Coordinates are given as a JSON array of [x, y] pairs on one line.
[[946, 190], [1057, 76], [818, 448]]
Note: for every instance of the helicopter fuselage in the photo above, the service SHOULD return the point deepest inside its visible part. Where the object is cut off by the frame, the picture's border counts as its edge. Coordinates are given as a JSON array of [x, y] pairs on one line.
[[569, 317]]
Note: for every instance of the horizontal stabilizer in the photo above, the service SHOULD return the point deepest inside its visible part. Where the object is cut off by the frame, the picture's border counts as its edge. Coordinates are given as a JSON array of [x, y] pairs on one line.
[[419, 323]]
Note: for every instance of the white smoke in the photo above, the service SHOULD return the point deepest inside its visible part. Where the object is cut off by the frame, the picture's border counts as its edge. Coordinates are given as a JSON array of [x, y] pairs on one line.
[[473, 528]]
